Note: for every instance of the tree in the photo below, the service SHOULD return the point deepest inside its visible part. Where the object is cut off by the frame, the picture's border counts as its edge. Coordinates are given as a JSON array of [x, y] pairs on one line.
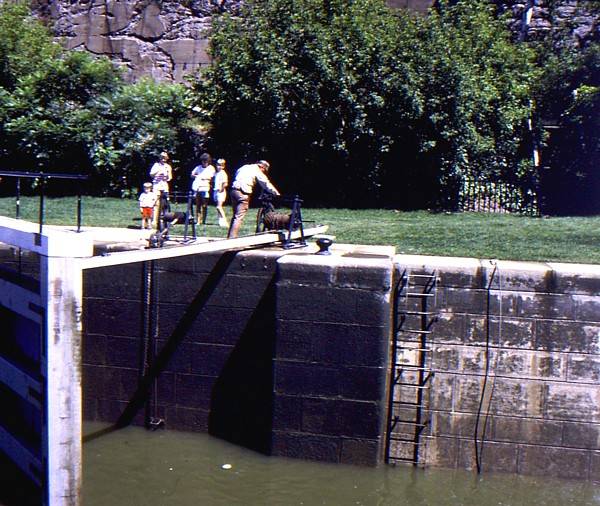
[[317, 87], [379, 106]]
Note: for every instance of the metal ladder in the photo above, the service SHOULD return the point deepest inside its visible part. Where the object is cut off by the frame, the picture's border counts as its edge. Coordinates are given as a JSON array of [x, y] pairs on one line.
[[412, 366]]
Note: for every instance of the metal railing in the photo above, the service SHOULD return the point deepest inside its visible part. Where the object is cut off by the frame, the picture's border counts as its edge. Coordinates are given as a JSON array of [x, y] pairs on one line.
[[43, 177]]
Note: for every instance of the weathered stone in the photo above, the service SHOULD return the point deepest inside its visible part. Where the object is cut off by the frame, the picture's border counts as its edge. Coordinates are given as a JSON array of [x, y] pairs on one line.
[[582, 435], [570, 336], [583, 368], [572, 402], [501, 457], [539, 305], [554, 462], [506, 332], [526, 430], [150, 26]]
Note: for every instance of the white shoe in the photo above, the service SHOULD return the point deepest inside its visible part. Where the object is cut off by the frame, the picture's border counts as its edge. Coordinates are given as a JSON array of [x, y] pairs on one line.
[[223, 222]]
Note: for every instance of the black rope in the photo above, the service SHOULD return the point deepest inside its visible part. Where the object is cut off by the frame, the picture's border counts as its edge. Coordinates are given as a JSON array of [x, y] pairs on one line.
[[478, 447]]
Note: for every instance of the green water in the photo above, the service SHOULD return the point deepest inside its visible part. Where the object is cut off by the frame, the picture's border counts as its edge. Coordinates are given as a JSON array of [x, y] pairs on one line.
[[135, 467]]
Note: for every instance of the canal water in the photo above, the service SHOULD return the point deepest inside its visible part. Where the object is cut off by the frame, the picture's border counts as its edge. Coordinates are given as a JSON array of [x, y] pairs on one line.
[[135, 467]]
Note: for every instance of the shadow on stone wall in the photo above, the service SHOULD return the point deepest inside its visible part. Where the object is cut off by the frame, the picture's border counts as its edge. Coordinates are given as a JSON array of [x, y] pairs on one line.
[[242, 398]]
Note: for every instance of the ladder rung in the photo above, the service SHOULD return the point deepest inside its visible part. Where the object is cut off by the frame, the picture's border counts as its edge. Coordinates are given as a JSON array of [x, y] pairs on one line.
[[411, 385], [418, 313], [404, 440], [406, 403], [409, 331], [417, 294], [416, 349], [414, 367], [430, 276], [406, 422]]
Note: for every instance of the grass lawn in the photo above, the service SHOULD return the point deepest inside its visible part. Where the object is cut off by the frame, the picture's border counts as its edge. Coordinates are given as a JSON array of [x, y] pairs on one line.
[[479, 235]]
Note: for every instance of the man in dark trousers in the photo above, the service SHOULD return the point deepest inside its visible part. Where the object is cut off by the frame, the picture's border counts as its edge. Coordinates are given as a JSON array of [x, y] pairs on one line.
[[243, 184]]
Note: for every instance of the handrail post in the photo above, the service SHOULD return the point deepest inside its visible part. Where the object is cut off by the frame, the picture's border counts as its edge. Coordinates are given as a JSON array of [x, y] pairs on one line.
[[41, 214], [18, 202], [79, 212]]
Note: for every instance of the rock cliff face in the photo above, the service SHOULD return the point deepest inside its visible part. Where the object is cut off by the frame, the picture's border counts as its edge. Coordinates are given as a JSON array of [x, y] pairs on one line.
[[167, 39]]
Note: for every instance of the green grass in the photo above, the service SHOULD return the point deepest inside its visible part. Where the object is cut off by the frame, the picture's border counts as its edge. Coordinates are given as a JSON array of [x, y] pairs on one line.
[[479, 235]]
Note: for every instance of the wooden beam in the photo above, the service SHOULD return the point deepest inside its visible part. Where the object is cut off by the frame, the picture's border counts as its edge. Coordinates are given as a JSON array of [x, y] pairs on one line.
[[168, 251]]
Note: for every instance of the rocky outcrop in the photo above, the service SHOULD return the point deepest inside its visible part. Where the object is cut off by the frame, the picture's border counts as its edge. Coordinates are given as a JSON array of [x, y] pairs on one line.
[[163, 39], [167, 39]]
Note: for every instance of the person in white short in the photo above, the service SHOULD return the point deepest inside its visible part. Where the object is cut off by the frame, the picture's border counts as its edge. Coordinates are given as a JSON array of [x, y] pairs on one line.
[[202, 175], [220, 182]]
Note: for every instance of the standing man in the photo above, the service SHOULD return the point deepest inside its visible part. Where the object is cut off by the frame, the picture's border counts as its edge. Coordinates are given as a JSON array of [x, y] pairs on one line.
[[161, 173], [243, 184]]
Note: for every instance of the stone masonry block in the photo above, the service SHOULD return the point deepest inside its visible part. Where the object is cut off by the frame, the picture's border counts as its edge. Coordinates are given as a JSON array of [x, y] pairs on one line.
[[287, 413], [582, 435], [306, 446], [187, 419], [363, 383], [449, 328], [248, 291], [453, 424], [577, 279], [526, 430], [209, 359], [467, 393], [442, 391], [554, 462], [516, 397], [94, 349], [213, 324], [546, 306], [461, 272], [508, 332], [472, 359], [123, 352], [364, 273], [112, 317], [361, 419], [344, 272], [458, 300], [518, 276], [332, 305], [194, 391], [446, 358], [262, 262], [114, 282], [494, 457], [321, 416], [185, 264], [595, 467], [572, 402], [362, 452], [441, 451], [587, 309], [307, 269], [179, 287], [583, 368], [552, 335], [306, 379]]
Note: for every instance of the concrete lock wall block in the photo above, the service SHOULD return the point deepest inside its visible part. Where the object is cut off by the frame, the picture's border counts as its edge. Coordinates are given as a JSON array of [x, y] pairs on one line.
[[535, 328], [331, 357]]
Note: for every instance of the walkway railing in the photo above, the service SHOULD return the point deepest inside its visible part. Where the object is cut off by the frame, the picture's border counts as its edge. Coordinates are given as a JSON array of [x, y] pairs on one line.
[[43, 178]]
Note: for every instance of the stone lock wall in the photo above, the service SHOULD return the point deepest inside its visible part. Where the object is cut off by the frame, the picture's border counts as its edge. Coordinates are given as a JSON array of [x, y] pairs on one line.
[[284, 352], [289, 353], [540, 325]]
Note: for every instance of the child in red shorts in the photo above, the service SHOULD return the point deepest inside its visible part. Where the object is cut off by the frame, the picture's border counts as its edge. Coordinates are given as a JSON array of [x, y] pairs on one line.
[[147, 202]]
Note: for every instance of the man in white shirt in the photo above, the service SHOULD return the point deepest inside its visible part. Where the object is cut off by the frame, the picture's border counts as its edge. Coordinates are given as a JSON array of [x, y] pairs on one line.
[[243, 184]]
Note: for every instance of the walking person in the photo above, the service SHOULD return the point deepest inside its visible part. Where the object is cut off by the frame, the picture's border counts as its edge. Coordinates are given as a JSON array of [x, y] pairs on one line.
[[243, 184], [220, 182], [202, 175]]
